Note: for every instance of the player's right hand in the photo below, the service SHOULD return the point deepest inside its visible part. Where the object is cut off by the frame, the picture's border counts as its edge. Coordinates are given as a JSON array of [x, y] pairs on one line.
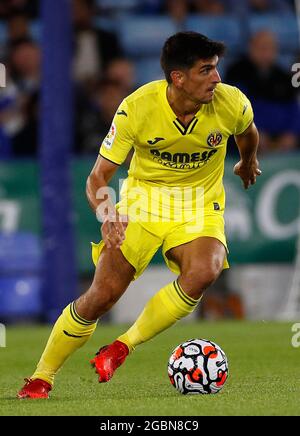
[[247, 171], [113, 229]]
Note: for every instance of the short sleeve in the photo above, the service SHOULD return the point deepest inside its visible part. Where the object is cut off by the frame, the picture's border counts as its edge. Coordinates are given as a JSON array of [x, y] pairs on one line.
[[120, 138], [245, 114]]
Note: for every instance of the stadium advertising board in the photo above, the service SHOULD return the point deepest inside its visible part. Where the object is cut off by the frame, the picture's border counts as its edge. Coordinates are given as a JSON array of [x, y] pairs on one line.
[[262, 224]]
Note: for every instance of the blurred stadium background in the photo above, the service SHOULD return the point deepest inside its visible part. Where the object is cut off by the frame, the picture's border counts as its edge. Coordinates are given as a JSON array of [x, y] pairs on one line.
[[68, 66]]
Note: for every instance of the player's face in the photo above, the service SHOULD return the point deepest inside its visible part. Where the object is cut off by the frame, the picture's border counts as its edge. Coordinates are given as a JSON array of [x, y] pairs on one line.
[[200, 81]]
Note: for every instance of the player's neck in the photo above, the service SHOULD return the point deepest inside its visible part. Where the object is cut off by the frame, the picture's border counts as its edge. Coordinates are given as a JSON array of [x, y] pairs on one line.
[[184, 108]]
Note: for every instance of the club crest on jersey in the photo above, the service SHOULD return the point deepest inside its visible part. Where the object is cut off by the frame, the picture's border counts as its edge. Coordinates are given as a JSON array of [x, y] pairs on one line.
[[109, 140], [214, 139]]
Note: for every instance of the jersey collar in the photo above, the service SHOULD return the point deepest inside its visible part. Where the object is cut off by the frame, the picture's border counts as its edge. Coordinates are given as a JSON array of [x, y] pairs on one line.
[[184, 130]]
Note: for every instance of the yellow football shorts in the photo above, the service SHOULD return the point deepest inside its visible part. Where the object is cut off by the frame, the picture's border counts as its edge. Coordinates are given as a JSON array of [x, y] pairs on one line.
[[143, 239]]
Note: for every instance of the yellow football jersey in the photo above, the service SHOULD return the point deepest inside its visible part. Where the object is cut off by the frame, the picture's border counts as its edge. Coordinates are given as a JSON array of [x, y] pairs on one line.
[[169, 154]]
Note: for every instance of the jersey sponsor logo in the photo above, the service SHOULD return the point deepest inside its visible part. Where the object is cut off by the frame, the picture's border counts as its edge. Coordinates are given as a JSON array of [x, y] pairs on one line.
[[214, 139], [182, 161], [109, 140], [122, 112], [155, 140]]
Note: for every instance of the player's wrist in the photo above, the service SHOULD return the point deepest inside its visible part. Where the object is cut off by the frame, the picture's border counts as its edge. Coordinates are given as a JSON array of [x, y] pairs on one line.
[[103, 217], [249, 161]]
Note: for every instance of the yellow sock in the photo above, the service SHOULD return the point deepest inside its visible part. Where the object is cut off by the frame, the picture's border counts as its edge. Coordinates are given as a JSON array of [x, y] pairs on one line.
[[69, 333], [166, 307]]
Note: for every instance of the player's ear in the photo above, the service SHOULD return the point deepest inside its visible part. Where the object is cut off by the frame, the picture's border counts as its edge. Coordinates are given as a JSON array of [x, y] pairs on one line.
[[177, 78]]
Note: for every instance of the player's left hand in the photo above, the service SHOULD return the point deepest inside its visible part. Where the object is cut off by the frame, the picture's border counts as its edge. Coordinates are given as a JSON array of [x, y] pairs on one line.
[[113, 229], [247, 171]]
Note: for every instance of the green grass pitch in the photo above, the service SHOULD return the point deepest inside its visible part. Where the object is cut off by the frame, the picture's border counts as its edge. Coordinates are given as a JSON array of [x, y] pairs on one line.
[[264, 374]]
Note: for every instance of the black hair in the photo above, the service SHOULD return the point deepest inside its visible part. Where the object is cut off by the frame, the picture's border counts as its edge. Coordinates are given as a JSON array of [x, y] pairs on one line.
[[184, 49]]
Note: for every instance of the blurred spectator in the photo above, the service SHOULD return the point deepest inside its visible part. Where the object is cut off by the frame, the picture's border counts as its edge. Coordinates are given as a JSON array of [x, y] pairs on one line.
[[246, 7], [213, 7], [25, 58], [177, 10], [17, 28], [94, 116], [269, 88], [7, 99], [11, 120], [122, 70], [264, 6], [94, 48], [150, 6], [28, 7], [19, 100], [24, 142]]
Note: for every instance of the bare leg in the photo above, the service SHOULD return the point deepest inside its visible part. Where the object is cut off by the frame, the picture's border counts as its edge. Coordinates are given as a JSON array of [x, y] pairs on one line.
[[112, 277], [201, 262]]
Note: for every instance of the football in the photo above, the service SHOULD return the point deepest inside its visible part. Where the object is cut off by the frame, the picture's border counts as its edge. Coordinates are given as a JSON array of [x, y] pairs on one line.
[[198, 366]]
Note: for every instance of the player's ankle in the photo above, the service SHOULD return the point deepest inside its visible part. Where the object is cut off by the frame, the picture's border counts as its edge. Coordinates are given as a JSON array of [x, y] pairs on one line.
[[125, 344], [122, 347]]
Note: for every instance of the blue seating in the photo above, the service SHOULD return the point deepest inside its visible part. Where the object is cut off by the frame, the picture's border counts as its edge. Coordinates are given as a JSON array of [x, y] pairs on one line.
[[19, 253], [148, 69], [286, 60], [6, 146], [284, 26], [223, 65], [20, 297], [145, 36], [276, 118], [225, 28], [117, 5], [35, 30], [3, 32], [20, 276], [109, 24]]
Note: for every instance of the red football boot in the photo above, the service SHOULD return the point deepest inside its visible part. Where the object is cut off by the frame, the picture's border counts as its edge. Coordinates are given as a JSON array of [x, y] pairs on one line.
[[108, 359], [34, 389]]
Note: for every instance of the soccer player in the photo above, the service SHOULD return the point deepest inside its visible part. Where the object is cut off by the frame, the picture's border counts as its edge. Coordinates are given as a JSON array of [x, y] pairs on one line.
[[173, 197]]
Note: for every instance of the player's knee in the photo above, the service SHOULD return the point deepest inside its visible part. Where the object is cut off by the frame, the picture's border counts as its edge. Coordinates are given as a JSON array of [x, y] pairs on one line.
[[198, 277]]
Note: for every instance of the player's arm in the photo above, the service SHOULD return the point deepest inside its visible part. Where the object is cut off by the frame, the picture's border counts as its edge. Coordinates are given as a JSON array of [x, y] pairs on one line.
[[248, 166], [246, 138], [97, 191], [113, 152]]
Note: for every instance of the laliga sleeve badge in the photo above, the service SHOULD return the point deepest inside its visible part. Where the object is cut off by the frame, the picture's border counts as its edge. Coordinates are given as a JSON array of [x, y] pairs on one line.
[[109, 139]]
